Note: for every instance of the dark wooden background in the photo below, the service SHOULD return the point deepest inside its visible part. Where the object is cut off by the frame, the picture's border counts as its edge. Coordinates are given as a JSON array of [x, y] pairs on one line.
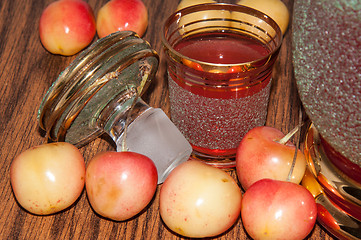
[[27, 71]]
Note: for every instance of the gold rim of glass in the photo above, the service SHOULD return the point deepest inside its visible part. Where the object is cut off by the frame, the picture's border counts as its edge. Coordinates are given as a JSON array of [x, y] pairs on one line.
[[269, 34]]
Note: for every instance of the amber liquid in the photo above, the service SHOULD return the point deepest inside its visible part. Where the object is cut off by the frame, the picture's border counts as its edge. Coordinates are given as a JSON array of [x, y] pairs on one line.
[[212, 112], [222, 48]]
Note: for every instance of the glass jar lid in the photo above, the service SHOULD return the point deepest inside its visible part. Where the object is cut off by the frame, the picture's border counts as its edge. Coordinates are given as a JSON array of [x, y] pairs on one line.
[[87, 93]]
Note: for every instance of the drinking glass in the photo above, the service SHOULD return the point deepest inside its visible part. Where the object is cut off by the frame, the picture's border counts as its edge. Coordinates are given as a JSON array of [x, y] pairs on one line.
[[219, 65]]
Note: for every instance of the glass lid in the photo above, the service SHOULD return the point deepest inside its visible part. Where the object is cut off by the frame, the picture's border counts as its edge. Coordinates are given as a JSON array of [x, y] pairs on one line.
[[108, 72]]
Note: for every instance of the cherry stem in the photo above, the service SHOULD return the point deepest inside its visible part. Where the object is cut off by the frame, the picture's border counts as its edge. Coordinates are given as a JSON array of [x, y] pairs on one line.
[[145, 76], [297, 145], [288, 136]]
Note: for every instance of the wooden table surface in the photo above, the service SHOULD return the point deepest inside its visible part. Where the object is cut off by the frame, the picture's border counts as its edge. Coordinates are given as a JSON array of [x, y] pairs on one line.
[[27, 71]]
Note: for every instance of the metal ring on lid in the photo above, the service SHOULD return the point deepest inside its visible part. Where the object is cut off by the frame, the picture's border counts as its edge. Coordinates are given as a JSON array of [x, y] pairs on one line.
[[106, 72]]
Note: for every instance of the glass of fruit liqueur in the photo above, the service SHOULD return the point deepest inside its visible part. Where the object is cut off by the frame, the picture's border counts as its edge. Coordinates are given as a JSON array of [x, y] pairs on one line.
[[219, 65]]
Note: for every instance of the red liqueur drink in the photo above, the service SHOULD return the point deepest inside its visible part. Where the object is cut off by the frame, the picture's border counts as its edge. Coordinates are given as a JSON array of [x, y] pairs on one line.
[[222, 48], [212, 116], [219, 84]]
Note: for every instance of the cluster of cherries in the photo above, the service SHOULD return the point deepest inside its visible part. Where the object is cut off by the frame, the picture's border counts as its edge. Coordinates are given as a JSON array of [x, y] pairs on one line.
[[196, 199], [68, 26]]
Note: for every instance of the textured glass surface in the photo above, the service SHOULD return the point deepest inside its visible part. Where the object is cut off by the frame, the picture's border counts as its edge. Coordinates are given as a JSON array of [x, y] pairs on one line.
[[212, 122], [327, 63]]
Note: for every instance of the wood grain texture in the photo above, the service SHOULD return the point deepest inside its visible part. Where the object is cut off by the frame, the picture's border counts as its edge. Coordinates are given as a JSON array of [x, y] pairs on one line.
[[27, 71]]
